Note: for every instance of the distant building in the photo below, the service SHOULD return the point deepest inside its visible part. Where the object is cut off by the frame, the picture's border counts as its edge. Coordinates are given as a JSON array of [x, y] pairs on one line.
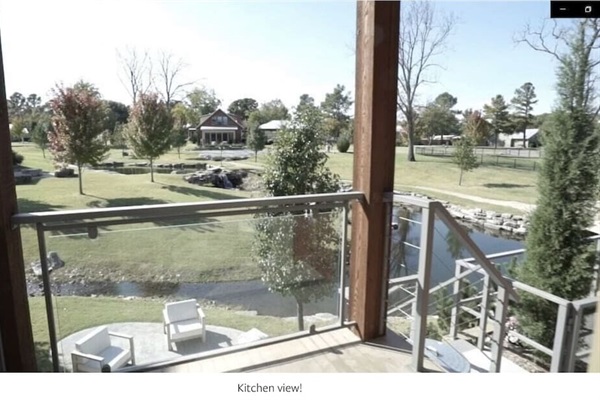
[[271, 128], [219, 127], [532, 139]]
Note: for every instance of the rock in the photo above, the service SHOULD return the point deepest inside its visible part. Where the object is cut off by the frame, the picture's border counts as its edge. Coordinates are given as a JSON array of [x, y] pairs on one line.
[[517, 218], [53, 262], [493, 227], [64, 173], [520, 231], [506, 215], [510, 224]]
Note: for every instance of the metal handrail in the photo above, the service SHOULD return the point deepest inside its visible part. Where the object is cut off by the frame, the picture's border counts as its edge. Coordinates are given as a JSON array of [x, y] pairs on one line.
[[185, 209]]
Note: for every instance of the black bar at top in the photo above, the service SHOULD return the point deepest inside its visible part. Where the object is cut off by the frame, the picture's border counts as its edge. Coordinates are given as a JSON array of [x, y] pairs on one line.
[[574, 9]]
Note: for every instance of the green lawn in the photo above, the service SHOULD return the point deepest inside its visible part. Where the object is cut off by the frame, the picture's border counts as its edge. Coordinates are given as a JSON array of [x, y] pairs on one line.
[[213, 249]]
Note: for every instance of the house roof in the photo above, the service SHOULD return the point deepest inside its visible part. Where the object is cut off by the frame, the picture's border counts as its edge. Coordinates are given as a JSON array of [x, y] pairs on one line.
[[274, 125], [206, 117]]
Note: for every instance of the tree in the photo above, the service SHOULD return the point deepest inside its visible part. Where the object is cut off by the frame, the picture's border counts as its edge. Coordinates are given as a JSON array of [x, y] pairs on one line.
[[499, 116], [273, 110], [438, 119], [136, 72], [559, 259], [298, 255], [41, 130], [201, 101], [179, 134], [243, 107], [335, 107], [116, 114], [78, 121], [523, 103], [476, 127], [149, 131], [423, 37], [464, 155], [257, 139], [17, 159], [168, 82]]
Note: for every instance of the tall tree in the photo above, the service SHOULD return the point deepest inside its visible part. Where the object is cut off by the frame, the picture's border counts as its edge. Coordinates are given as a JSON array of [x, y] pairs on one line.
[[136, 71], [116, 114], [179, 134], [335, 108], [559, 259], [78, 121], [201, 101], [150, 127], [274, 110], [499, 116], [168, 77], [243, 107], [476, 127], [296, 254], [41, 130], [438, 119], [523, 104], [423, 37]]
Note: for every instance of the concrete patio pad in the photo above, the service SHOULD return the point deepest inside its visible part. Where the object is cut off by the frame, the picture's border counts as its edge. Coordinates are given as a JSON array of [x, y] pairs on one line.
[[150, 342]]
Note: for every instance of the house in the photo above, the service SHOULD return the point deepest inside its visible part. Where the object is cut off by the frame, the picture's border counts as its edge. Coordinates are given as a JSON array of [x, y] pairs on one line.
[[219, 127], [271, 128], [516, 139]]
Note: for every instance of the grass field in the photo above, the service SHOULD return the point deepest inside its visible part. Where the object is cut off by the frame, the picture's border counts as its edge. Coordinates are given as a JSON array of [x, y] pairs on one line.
[[213, 249]]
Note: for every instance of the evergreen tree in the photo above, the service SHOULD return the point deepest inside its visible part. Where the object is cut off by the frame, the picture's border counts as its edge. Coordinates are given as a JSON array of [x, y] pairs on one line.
[[499, 116], [523, 104], [558, 258]]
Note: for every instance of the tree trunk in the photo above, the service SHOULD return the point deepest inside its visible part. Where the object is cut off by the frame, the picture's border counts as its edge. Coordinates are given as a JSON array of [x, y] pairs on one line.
[[179, 152], [411, 139], [80, 180], [300, 308], [496, 141], [460, 178], [255, 156], [44, 152], [151, 170]]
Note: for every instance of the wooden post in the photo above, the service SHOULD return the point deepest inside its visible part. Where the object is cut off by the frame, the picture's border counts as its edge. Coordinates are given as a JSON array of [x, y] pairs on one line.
[[378, 25], [15, 323]]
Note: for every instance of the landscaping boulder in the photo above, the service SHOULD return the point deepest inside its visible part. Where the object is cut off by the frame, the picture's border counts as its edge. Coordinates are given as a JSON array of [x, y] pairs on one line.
[[64, 173], [53, 260]]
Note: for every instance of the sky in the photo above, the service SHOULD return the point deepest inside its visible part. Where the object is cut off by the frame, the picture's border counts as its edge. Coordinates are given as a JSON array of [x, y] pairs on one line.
[[259, 49]]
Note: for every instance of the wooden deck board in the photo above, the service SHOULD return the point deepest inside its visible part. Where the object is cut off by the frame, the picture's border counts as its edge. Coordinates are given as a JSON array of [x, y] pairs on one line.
[[338, 350]]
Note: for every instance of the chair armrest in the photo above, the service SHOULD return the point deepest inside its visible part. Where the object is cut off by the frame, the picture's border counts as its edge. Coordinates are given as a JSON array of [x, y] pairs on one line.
[[201, 313], [121, 335], [92, 357]]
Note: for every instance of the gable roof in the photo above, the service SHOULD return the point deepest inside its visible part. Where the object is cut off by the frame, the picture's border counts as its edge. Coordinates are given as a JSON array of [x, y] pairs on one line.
[[206, 117], [529, 133]]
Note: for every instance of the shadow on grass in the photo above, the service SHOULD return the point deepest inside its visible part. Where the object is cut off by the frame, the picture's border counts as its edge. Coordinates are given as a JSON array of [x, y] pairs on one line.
[[199, 192], [28, 205], [505, 185]]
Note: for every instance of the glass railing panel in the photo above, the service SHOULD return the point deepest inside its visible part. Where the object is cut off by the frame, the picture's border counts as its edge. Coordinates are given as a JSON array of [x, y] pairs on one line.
[[253, 276]]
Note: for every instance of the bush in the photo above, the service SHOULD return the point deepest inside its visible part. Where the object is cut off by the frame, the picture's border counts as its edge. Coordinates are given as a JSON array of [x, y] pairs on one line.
[[343, 144], [17, 158]]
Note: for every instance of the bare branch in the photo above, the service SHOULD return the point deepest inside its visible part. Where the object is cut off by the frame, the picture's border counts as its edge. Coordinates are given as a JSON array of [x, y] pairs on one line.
[[169, 71], [135, 66]]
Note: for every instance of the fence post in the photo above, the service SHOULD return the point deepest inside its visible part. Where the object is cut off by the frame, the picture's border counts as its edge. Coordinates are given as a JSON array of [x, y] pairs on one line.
[[484, 312], [515, 164], [499, 329], [560, 336]]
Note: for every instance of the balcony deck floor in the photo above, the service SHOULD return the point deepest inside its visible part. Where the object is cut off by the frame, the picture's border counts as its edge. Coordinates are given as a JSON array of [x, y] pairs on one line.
[[338, 350]]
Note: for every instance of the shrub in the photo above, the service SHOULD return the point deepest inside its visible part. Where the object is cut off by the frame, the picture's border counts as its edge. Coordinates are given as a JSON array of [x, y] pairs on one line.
[[343, 144], [17, 158]]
